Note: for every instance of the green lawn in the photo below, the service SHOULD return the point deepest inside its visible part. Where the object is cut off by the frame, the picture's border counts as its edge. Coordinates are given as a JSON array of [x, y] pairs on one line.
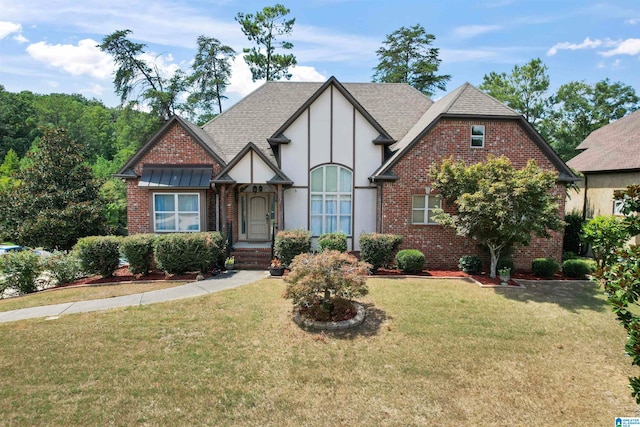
[[431, 352]]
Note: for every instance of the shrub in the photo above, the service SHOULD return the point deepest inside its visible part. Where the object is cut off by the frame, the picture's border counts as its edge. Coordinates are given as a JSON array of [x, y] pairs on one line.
[[333, 242], [138, 250], [178, 253], [578, 268], [606, 234], [315, 277], [470, 264], [544, 267], [379, 249], [571, 240], [63, 267], [410, 261], [98, 254], [20, 270], [505, 263], [290, 243]]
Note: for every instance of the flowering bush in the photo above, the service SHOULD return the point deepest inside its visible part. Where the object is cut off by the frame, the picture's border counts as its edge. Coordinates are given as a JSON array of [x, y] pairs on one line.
[[275, 263], [316, 278]]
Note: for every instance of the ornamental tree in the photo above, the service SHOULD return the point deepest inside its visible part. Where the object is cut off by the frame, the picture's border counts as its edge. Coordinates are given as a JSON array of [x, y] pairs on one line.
[[621, 277], [496, 204], [315, 277]]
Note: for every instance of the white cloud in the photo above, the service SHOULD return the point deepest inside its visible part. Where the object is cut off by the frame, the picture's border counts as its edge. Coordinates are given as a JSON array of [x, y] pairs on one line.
[[625, 47], [85, 58], [470, 31], [240, 82], [586, 44], [7, 28], [94, 90], [632, 21]]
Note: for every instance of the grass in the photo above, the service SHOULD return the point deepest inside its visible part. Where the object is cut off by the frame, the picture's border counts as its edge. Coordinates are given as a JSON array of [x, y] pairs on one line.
[[73, 294], [431, 352]]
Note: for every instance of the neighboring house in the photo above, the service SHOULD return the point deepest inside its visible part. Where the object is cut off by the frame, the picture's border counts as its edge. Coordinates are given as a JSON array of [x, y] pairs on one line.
[[610, 161], [350, 157]]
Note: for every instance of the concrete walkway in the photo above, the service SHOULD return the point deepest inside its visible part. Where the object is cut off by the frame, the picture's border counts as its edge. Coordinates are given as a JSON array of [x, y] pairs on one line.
[[215, 284]]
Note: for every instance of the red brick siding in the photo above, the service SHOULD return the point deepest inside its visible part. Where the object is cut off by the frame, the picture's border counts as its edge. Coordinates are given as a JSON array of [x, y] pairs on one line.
[[175, 147], [441, 246]]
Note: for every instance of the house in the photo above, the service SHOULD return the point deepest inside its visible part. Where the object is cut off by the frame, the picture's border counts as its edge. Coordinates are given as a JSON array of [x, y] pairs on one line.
[[350, 157], [609, 161]]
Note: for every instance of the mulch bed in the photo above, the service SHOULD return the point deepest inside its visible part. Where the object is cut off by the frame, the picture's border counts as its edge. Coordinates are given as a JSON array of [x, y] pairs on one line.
[[124, 275]]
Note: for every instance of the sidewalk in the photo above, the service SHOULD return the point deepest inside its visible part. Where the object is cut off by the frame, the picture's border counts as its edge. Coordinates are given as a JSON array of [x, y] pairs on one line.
[[195, 289]]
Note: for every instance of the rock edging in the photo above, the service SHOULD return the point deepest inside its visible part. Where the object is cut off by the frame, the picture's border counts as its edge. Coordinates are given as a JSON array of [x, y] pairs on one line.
[[332, 326]]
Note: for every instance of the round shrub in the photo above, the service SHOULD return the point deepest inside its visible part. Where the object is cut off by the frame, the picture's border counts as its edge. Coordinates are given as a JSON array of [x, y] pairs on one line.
[[19, 271], [138, 250], [98, 254], [289, 243], [63, 267], [470, 264], [410, 261], [378, 249], [332, 242], [544, 267], [179, 253], [505, 263], [578, 268]]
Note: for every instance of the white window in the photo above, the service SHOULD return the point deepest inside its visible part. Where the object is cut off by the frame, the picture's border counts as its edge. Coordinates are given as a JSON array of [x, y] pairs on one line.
[[331, 195], [176, 212], [424, 207], [477, 136], [618, 205]]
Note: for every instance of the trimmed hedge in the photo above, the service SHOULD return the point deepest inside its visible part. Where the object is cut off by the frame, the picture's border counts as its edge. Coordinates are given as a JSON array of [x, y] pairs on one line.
[[410, 261], [290, 243], [332, 242], [577, 268], [138, 250], [379, 249], [544, 267], [179, 253], [470, 264], [63, 267], [98, 254]]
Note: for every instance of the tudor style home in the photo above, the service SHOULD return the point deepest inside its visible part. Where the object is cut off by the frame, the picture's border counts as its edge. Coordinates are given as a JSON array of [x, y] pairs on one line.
[[609, 161], [350, 157]]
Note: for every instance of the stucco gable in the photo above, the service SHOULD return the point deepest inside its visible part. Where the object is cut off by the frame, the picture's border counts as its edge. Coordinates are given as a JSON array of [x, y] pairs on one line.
[[251, 166]]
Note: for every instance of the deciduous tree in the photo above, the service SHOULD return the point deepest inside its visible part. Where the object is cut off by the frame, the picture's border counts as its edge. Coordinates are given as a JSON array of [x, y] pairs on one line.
[[496, 204], [263, 29], [407, 57]]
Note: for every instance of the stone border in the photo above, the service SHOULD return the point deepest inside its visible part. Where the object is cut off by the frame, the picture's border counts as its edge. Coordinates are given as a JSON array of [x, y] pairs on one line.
[[332, 326]]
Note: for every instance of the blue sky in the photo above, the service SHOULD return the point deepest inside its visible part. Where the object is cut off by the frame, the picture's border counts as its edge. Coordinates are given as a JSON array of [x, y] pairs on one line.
[[50, 46]]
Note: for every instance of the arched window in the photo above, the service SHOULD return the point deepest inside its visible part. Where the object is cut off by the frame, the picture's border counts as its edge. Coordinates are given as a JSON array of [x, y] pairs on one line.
[[331, 196]]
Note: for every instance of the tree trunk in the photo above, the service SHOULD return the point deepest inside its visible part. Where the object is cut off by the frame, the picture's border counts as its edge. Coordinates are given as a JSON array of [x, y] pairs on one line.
[[495, 255]]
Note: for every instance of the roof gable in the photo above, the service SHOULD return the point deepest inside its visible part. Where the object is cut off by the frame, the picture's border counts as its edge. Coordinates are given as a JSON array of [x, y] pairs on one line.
[[194, 132], [615, 146], [251, 165]]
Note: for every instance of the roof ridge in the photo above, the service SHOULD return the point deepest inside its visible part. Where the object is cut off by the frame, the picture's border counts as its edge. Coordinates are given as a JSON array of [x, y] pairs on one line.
[[460, 90]]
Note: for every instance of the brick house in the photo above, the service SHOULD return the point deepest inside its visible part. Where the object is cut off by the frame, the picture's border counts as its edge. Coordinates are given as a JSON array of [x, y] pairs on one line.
[[325, 157]]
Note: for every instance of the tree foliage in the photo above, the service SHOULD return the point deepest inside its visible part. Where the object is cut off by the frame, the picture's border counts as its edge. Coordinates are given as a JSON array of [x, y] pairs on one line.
[[605, 234], [210, 77], [621, 277], [524, 89], [580, 108], [136, 78], [264, 28], [407, 57], [496, 204], [56, 201]]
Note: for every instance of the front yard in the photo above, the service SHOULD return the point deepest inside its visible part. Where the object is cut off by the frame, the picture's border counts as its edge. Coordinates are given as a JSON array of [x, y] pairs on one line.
[[431, 351]]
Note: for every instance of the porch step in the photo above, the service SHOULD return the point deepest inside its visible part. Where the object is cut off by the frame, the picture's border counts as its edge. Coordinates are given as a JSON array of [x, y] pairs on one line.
[[252, 258]]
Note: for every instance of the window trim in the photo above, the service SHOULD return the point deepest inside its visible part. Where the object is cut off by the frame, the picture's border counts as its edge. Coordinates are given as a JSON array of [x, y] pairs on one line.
[[482, 137], [618, 205], [338, 195], [425, 209], [176, 211]]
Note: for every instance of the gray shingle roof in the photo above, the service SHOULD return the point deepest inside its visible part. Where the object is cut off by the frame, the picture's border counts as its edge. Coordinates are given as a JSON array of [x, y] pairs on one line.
[[255, 118], [615, 146]]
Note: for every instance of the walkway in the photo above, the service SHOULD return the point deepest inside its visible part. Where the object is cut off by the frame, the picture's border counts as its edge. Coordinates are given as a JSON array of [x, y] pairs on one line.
[[195, 289]]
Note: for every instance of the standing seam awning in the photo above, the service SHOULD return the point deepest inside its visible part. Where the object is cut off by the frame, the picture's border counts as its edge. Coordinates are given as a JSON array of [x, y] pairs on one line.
[[154, 177]]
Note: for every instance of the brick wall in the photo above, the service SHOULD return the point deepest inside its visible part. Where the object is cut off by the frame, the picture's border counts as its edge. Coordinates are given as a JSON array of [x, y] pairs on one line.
[[441, 246], [174, 147]]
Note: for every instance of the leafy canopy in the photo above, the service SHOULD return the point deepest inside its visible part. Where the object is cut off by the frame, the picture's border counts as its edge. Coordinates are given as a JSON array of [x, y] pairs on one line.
[[496, 204], [407, 57], [263, 29]]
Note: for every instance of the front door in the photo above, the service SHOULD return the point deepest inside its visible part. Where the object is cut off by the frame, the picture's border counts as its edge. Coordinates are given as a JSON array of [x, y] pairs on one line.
[[259, 218]]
